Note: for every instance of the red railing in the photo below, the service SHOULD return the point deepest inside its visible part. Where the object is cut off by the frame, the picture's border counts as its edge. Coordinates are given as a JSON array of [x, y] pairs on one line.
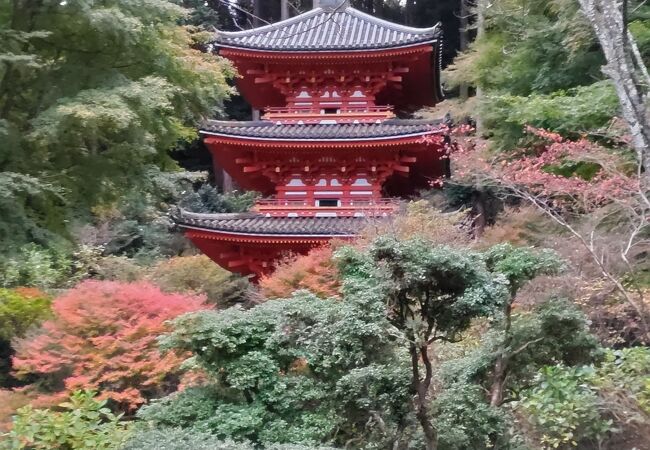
[[317, 109], [305, 208], [318, 113]]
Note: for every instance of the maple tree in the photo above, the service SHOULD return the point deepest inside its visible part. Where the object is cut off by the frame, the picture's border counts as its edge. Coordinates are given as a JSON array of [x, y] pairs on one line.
[[587, 189], [315, 272], [103, 337]]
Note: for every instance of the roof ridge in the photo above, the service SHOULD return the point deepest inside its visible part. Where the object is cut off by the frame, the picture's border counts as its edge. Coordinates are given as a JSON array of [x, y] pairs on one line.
[[392, 25], [273, 26]]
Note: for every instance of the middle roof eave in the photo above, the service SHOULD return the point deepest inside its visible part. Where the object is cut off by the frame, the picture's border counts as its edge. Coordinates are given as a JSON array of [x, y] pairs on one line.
[[264, 130]]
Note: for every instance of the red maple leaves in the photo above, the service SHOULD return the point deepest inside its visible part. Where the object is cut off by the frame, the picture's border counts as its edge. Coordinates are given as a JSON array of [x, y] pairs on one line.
[[103, 336]]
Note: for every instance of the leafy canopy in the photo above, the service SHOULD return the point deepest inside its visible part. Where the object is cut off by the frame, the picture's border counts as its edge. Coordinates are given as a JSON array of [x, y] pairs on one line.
[[92, 95], [284, 372]]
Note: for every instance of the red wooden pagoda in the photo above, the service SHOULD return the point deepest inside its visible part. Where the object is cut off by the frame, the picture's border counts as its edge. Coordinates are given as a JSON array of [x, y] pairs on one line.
[[328, 151]]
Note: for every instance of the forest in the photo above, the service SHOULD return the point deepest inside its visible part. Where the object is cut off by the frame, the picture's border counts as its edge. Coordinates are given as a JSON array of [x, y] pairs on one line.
[[506, 307]]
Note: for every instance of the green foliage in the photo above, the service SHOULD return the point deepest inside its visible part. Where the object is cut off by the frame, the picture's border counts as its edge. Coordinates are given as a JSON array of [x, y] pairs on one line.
[[83, 121], [436, 288], [208, 199], [565, 408], [466, 421], [521, 264], [623, 382], [83, 423], [555, 331], [179, 439], [19, 310], [538, 63], [572, 406], [139, 225], [284, 372], [569, 112], [24, 201], [34, 265], [531, 47]]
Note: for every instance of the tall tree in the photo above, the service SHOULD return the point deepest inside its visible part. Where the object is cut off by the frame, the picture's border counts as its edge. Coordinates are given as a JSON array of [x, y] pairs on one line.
[[625, 68], [431, 294], [91, 96]]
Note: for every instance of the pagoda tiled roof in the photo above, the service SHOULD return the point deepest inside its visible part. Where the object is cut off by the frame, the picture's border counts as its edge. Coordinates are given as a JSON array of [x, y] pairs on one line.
[[321, 132], [329, 28], [259, 224]]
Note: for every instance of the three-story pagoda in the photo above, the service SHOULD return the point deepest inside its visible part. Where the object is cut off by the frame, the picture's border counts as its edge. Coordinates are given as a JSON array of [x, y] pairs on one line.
[[327, 150]]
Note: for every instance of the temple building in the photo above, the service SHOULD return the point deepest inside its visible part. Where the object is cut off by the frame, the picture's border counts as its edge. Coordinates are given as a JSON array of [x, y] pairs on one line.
[[326, 147]]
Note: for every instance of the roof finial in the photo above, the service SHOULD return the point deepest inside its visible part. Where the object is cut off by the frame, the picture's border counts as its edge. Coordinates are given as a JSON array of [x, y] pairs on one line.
[[330, 4]]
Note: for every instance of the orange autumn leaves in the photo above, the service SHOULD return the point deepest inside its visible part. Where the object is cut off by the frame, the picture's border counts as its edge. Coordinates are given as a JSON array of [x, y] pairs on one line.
[[315, 272], [103, 336]]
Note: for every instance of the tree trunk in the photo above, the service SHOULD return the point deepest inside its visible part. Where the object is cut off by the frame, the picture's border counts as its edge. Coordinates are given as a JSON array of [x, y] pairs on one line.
[[410, 12], [501, 365], [607, 18], [421, 388], [227, 184], [480, 29], [464, 41], [480, 215], [257, 12], [284, 9]]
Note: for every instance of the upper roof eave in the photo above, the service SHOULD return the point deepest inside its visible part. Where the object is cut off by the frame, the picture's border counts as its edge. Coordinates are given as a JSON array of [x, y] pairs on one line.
[[307, 52], [345, 29]]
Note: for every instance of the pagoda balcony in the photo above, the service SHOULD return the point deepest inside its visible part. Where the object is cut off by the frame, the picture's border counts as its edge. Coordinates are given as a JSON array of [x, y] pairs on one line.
[[274, 207], [326, 114]]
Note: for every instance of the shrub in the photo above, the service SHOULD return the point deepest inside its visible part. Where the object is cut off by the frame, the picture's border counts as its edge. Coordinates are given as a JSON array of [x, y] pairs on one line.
[[10, 401], [422, 220], [315, 272], [623, 385], [119, 268], [84, 423], [199, 275], [179, 439], [36, 266], [287, 371], [103, 336], [564, 407], [20, 309]]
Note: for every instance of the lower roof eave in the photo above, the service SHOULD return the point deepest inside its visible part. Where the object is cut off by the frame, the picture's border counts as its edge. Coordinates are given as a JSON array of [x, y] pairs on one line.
[[317, 140], [267, 235]]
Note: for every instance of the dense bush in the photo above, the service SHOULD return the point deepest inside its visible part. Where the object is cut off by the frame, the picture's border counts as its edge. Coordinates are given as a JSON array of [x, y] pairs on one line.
[[571, 407], [33, 265], [179, 439], [466, 421], [81, 423], [200, 275], [285, 371], [103, 336]]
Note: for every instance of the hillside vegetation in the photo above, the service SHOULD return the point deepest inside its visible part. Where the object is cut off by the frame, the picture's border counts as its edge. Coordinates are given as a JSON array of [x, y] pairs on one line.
[[507, 307]]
